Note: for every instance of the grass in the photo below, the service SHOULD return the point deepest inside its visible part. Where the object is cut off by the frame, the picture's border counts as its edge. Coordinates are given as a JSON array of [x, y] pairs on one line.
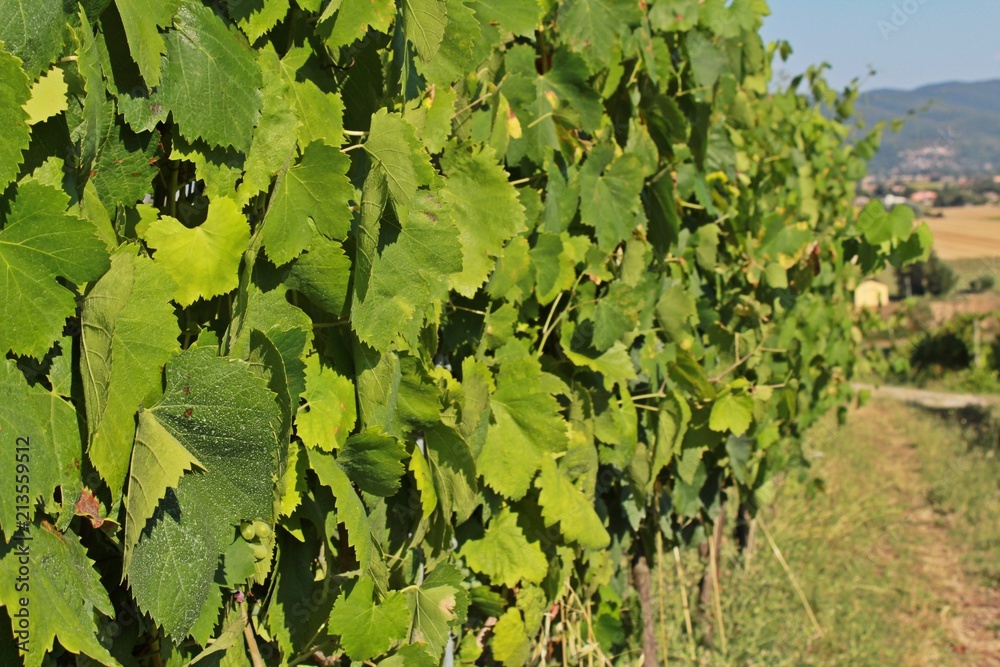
[[901, 485], [968, 270], [964, 476]]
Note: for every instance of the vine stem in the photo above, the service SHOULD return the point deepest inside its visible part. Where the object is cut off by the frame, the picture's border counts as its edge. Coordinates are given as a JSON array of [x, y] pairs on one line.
[[791, 577], [550, 324], [482, 98], [251, 640], [739, 362], [548, 321], [662, 594], [172, 190]]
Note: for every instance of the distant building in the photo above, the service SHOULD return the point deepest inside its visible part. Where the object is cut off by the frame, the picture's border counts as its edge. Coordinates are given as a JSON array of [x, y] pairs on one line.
[[894, 200], [861, 201], [871, 294], [924, 197]]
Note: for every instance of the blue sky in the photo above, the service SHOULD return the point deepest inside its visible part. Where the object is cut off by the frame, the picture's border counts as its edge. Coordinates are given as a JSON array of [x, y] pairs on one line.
[[909, 43]]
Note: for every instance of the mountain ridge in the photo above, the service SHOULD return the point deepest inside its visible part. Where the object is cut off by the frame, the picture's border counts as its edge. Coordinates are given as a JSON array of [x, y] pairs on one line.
[[951, 127]]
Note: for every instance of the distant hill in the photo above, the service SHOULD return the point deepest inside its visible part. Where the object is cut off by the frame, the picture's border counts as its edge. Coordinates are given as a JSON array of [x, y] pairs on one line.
[[956, 129]]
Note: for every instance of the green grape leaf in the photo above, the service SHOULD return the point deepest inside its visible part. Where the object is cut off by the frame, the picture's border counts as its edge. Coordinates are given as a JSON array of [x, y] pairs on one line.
[[90, 127], [48, 96], [322, 274], [142, 22], [879, 226], [211, 82], [158, 463], [424, 23], [315, 189], [527, 421], [610, 195], [292, 484], [675, 309], [671, 425], [373, 461], [34, 31], [274, 137], [267, 360], [614, 364], [129, 331], [202, 260], [433, 607], [225, 417], [355, 17], [219, 168], [486, 209], [411, 655], [49, 424], [421, 472], [368, 629], [689, 463], [409, 275], [256, 18], [287, 327], [618, 313], [731, 412], [298, 606], [708, 61], [438, 123], [520, 17], [14, 93], [125, 166], [453, 472], [330, 410], [553, 263], [351, 513], [320, 113], [418, 399], [458, 44], [40, 242], [504, 554], [575, 99], [65, 590], [511, 644], [917, 248], [690, 375], [91, 208], [566, 505], [394, 147], [592, 27]]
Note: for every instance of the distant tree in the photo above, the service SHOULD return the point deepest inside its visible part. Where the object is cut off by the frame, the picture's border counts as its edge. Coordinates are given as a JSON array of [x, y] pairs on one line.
[[952, 196], [982, 283], [931, 277]]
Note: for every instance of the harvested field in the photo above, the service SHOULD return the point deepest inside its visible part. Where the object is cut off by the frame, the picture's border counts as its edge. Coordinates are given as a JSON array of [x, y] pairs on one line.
[[967, 232]]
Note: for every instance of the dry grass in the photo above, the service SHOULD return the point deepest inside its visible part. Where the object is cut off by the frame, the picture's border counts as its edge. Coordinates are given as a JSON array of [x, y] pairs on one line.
[[892, 557]]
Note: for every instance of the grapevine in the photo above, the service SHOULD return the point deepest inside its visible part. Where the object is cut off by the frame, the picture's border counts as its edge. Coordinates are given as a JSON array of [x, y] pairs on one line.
[[379, 331]]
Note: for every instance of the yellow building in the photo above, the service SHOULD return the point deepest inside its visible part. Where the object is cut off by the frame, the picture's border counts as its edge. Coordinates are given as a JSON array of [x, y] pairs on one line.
[[871, 294]]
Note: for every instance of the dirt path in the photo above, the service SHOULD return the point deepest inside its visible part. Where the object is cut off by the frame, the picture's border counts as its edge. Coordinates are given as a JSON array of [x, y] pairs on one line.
[[936, 400], [969, 613]]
